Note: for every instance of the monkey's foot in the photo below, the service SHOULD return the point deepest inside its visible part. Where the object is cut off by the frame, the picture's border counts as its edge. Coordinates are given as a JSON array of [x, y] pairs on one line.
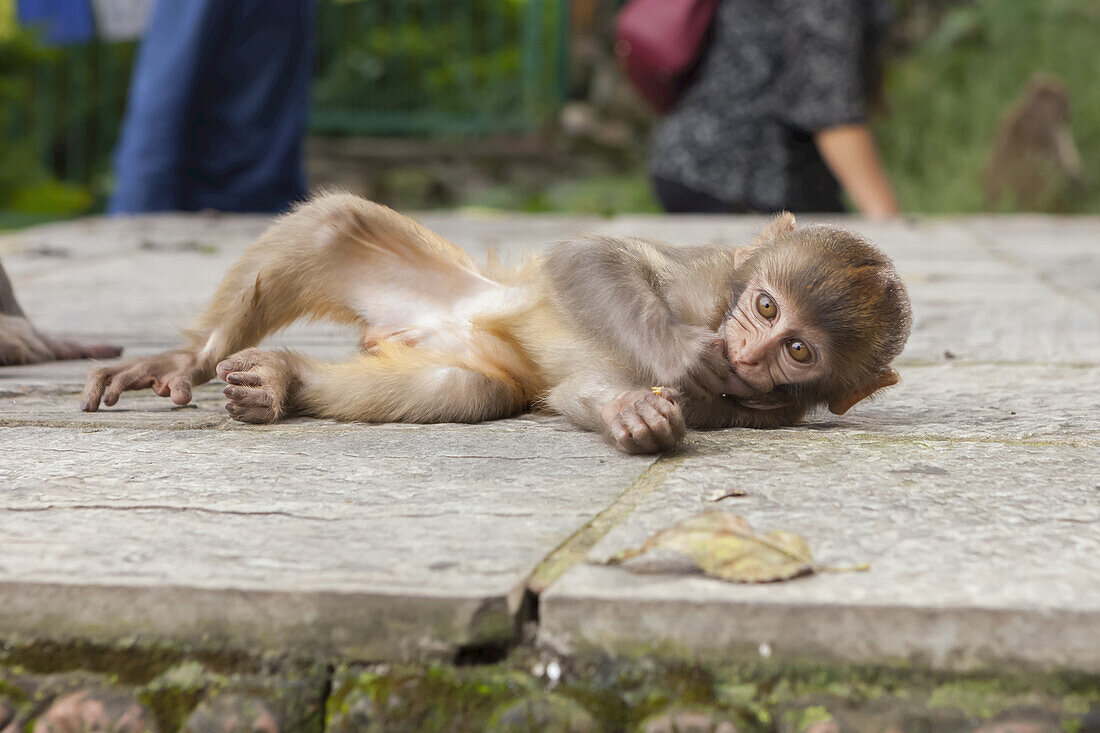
[[171, 374], [20, 343], [642, 421], [261, 385]]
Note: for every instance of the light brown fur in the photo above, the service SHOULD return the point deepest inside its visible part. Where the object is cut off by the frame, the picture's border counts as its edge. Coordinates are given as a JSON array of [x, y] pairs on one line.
[[583, 331]]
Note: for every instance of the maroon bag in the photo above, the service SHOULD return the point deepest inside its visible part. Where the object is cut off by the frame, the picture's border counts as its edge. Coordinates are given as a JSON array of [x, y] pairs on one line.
[[659, 43]]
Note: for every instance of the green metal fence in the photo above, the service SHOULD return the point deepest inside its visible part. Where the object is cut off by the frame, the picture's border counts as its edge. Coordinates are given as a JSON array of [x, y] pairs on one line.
[[439, 66], [384, 67]]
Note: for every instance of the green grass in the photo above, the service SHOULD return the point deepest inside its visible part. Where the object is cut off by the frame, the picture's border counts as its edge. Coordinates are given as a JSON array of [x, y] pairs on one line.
[[945, 98]]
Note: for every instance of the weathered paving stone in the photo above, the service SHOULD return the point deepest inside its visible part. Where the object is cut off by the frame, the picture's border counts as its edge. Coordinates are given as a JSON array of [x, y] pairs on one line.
[[970, 488], [383, 541], [977, 551]]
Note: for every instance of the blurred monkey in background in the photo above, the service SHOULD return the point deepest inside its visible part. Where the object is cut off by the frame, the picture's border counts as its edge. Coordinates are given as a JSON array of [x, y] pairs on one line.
[[1035, 159]]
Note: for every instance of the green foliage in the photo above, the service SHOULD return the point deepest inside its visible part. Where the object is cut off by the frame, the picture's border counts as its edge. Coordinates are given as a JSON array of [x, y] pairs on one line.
[[946, 96], [19, 163], [51, 198], [54, 126], [436, 66]]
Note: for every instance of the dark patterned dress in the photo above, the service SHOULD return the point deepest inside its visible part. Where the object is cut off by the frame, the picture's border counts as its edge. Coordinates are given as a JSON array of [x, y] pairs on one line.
[[775, 72]]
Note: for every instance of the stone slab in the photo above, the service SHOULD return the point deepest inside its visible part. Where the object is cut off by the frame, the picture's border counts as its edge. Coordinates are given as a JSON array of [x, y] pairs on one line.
[[973, 492], [383, 541]]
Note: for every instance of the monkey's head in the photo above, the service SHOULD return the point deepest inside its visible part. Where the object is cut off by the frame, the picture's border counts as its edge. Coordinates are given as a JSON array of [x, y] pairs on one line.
[[1046, 97], [816, 317]]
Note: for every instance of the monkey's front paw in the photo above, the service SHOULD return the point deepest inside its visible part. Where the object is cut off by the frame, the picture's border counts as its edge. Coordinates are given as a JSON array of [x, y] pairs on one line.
[[699, 365], [641, 421], [261, 385]]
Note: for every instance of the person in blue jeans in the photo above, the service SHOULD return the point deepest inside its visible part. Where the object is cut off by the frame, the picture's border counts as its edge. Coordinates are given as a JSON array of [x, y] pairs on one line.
[[217, 109]]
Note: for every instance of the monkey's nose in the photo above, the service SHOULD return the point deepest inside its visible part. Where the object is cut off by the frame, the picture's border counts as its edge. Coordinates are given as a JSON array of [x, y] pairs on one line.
[[747, 358]]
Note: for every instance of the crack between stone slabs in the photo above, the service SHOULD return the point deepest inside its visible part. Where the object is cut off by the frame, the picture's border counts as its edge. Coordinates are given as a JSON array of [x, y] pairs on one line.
[[166, 507], [575, 549], [241, 513], [214, 422], [990, 246]]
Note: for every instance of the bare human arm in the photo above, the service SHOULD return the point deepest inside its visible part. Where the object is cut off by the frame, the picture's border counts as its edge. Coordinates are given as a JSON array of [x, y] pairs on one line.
[[852, 156]]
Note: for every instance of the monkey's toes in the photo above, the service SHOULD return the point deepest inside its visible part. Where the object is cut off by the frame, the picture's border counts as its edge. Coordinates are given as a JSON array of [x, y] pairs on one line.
[[228, 366], [251, 404], [242, 361]]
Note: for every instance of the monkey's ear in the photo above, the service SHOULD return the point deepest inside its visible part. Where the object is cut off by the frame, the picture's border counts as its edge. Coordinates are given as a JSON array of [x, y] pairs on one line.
[[780, 225], [886, 378], [777, 227]]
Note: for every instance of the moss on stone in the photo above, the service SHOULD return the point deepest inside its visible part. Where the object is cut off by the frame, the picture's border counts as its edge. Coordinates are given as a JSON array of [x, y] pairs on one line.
[[800, 719], [618, 692], [438, 697], [128, 664], [172, 696]]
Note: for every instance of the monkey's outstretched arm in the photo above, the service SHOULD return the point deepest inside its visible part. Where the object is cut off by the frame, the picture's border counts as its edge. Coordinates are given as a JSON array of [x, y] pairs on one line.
[[654, 305]]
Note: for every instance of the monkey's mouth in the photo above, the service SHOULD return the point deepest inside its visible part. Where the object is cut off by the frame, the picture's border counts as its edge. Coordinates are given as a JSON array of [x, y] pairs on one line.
[[735, 386]]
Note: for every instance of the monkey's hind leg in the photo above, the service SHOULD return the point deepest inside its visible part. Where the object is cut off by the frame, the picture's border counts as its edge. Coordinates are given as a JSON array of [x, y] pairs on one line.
[[397, 384], [337, 257]]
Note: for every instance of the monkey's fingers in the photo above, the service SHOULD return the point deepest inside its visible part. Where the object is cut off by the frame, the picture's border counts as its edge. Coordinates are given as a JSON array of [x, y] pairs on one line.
[[621, 436], [93, 389], [179, 388], [136, 377], [671, 395], [668, 406], [659, 426], [641, 435]]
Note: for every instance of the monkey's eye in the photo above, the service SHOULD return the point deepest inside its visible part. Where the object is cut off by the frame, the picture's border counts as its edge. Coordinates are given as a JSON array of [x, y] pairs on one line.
[[799, 351], [765, 306]]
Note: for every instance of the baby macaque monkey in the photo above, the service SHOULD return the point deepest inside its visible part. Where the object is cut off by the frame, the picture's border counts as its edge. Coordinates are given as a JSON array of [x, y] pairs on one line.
[[633, 338]]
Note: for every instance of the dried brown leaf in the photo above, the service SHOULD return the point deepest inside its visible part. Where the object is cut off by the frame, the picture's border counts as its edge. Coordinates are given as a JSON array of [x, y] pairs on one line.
[[724, 546]]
